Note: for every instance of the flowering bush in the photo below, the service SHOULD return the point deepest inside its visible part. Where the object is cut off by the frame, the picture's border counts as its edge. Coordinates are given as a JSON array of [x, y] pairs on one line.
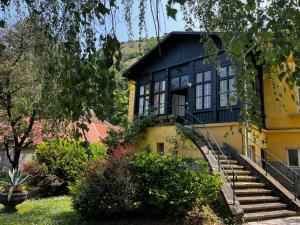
[[59, 163]]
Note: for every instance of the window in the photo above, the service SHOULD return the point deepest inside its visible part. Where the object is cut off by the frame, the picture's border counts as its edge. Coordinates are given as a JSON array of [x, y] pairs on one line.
[[159, 97], [161, 148], [181, 81], [227, 94], [144, 97], [293, 157], [203, 90]]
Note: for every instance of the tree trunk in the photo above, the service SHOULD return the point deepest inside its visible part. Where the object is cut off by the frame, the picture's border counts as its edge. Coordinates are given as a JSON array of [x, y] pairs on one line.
[[15, 161]]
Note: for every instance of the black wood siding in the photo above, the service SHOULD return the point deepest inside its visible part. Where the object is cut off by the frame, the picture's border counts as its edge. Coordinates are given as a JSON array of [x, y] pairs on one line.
[[184, 56]]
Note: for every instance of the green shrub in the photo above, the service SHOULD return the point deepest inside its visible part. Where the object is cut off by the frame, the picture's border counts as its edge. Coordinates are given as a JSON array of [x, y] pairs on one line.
[[145, 183], [166, 185], [59, 163], [105, 190]]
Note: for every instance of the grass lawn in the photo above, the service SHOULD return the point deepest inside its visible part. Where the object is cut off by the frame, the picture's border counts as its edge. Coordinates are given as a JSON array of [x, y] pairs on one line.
[[58, 211]]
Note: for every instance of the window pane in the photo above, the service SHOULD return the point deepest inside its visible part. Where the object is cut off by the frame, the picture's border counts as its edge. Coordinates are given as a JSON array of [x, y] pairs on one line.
[[207, 102], [147, 89], [223, 72], [184, 81], [293, 157], [163, 85], [231, 87], [175, 82], [142, 90], [207, 89], [199, 90], [162, 104], [231, 71], [223, 100], [156, 86], [232, 98], [207, 76], [199, 77], [146, 105], [156, 104], [223, 86], [199, 103], [141, 106]]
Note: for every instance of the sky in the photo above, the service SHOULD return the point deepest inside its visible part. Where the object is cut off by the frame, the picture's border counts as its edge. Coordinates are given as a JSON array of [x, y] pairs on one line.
[[167, 24]]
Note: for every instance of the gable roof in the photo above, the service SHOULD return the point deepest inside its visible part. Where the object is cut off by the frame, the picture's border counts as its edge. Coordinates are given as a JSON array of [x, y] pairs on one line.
[[167, 38]]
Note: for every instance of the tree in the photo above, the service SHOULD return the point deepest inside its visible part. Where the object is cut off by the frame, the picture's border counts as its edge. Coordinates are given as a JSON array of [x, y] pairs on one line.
[[256, 35], [34, 87]]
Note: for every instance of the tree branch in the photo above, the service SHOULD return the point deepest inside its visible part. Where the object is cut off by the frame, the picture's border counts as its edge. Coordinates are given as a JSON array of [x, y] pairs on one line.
[[29, 128], [7, 152]]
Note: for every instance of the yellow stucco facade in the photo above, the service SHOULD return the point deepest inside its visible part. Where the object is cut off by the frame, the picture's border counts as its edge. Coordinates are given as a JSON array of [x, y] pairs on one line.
[[282, 126]]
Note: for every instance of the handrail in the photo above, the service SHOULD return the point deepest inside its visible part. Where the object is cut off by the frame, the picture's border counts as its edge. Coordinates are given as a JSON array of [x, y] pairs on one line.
[[281, 162], [293, 182], [220, 166]]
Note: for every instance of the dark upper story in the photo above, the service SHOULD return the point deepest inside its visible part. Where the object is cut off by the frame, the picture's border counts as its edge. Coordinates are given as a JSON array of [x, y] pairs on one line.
[[176, 75]]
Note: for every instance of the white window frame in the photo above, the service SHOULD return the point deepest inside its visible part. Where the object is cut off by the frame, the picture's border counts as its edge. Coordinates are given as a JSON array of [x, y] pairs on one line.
[[287, 156]]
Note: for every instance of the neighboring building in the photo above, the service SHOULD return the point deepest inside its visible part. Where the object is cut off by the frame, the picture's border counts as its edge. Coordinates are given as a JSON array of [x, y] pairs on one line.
[[97, 132]]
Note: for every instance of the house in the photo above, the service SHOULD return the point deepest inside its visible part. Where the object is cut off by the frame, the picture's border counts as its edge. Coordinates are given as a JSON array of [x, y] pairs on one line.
[[97, 132], [176, 77]]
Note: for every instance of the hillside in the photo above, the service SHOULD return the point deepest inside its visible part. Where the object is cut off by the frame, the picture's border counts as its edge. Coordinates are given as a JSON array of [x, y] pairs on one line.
[[133, 50]]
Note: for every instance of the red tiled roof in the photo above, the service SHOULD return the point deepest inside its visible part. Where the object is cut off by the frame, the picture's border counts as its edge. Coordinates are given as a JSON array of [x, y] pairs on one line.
[[97, 131]]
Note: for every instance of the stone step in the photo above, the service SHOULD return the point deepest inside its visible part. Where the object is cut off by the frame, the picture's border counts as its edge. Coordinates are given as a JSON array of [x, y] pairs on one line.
[[247, 185], [230, 161], [258, 216], [263, 207], [256, 199], [252, 191], [232, 166], [238, 172], [223, 156], [243, 178]]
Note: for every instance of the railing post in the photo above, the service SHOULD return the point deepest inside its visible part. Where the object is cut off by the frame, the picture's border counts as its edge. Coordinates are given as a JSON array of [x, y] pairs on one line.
[[233, 187], [266, 160], [294, 186]]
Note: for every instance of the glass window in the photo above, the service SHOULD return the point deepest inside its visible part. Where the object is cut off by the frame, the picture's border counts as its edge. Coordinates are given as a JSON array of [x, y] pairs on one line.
[[159, 97], [207, 76], [293, 157], [203, 90], [161, 148], [175, 82], [199, 77], [184, 81], [227, 93], [144, 99], [223, 72]]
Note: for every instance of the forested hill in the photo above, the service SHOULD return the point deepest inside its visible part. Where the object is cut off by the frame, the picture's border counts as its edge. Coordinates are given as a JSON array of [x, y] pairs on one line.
[[133, 50]]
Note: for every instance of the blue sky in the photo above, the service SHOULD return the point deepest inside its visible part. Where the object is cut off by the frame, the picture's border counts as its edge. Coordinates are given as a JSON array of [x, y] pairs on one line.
[[167, 24], [170, 24]]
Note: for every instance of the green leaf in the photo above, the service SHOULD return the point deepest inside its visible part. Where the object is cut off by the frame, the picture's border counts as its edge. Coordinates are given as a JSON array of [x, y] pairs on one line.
[[171, 12], [10, 193], [2, 23]]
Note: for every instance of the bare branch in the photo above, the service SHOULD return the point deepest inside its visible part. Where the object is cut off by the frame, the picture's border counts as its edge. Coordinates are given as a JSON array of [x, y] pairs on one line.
[[7, 152]]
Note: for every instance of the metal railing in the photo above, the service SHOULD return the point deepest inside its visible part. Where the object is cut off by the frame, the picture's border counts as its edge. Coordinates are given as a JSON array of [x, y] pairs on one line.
[[267, 161], [208, 138]]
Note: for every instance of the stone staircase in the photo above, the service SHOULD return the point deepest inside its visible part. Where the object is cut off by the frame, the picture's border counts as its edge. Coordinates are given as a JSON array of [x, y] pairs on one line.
[[257, 201]]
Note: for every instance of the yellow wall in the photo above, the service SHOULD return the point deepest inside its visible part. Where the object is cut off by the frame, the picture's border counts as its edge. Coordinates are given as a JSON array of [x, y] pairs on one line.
[[279, 116], [166, 135], [131, 99], [224, 133]]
